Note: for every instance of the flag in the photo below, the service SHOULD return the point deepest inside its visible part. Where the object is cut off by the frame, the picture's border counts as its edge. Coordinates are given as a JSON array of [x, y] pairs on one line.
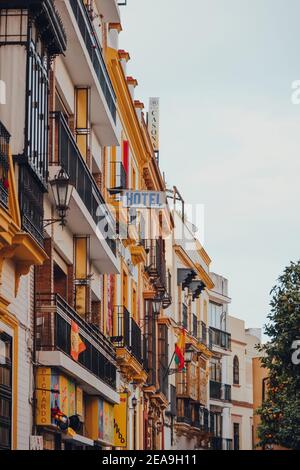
[[77, 345], [179, 351]]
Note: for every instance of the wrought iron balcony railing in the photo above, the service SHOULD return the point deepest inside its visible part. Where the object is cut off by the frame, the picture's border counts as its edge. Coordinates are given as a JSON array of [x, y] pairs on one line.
[[95, 52], [31, 203], [4, 165], [220, 338], [156, 264], [220, 391], [53, 317], [127, 334], [194, 326], [70, 158]]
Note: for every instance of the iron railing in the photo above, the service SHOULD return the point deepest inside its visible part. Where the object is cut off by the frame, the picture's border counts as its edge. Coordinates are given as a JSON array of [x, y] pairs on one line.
[[31, 203], [194, 326], [127, 334], [202, 332], [156, 263], [219, 391], [172, 404], [4, 165], [95, 52], [69, 157], [167, 298], [220, 338], [54, 317]]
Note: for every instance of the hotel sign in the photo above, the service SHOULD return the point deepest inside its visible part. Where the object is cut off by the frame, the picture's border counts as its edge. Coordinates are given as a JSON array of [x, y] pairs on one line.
[[144, 199], [153, 122]]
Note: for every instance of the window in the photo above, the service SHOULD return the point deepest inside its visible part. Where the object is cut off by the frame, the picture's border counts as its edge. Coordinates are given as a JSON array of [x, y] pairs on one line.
[[236, 436], [215, 370], [236, 371], [216, 319], [5, 390]]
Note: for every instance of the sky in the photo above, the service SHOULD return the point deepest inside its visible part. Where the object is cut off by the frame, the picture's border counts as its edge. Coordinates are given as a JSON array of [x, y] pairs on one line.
[[229, 131]]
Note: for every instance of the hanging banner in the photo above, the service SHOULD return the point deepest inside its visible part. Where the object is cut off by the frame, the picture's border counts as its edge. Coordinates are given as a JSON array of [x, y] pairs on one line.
[[77, 345], [79, 401], [43, 396], [56, 391], [120, 422], [153, 122], [110, 303], [108, 419]]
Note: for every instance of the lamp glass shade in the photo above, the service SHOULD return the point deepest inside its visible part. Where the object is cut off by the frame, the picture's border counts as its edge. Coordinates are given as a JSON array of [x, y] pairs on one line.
[[62, 190], [188, 356], [134, 401], [156, 306]]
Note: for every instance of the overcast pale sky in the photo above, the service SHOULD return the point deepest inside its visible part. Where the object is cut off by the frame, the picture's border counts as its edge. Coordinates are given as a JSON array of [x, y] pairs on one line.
[[230, 139]]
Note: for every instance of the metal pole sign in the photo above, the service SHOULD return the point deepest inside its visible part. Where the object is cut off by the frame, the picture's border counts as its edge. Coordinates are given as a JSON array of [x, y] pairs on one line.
[[153, 122], [144, 199]]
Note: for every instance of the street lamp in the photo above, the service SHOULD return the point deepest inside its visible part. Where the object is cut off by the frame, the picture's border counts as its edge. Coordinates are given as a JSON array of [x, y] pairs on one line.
[[134, 405], [156, 306], [188, 356], [62, 191]]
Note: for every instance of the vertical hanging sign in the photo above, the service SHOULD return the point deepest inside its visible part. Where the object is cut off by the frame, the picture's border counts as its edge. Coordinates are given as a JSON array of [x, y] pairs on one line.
[[153, 122]]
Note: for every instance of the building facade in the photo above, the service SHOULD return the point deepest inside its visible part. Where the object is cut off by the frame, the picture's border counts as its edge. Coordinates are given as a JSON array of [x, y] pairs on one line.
[[243, 342], [96, 288]]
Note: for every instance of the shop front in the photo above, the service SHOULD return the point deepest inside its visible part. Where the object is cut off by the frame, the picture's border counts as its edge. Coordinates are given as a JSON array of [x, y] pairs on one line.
[[69, 418]]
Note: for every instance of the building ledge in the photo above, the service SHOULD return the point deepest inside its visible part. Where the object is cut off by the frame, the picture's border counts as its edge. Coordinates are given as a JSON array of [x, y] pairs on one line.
[[130, 366], [138, 254]]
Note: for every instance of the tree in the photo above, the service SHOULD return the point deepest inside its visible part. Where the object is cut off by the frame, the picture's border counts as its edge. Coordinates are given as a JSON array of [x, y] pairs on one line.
[[280, 411]]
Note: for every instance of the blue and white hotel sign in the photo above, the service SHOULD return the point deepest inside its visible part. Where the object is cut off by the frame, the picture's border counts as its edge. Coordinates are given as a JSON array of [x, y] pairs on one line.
[[144, 199]]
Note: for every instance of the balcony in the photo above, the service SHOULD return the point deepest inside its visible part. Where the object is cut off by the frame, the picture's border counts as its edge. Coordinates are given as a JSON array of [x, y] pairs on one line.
[[127, 339], [202, 333], [219, 391], [89, 68], [31, 203], [110, 9], [4, 165], [220, 338], [96, 366], [89, 214], [156, 265], [194, 331], [47, 20]]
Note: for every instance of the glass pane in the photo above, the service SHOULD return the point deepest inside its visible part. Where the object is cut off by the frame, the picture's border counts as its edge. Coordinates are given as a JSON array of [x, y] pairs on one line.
[[4, 436], [5, 376], [5, 408]]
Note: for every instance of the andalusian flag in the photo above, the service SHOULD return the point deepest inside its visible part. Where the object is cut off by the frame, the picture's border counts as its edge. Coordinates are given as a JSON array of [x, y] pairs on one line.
[[77, 345], [179, 351]]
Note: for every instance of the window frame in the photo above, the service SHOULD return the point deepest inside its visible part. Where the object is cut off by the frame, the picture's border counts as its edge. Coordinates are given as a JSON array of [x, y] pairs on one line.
[[236, 370], [6, 392]]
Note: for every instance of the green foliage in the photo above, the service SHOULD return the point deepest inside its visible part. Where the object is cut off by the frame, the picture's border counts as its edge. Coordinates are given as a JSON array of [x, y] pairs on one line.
[[280, 412]]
